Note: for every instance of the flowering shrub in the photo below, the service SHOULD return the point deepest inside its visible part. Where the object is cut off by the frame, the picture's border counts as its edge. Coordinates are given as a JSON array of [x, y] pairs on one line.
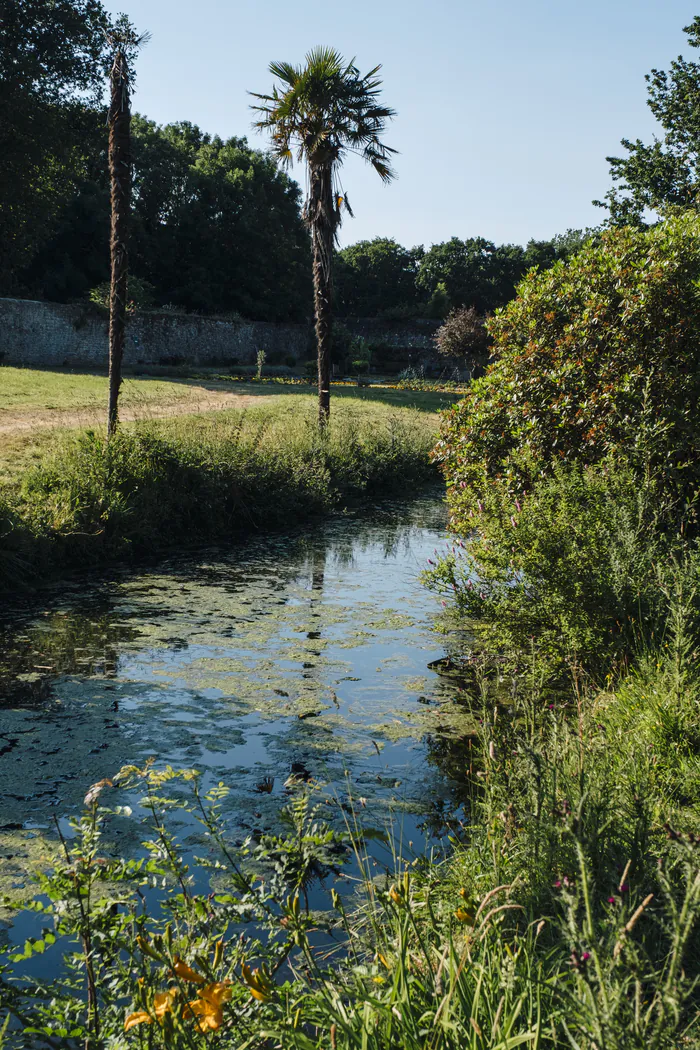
[[595, 357]]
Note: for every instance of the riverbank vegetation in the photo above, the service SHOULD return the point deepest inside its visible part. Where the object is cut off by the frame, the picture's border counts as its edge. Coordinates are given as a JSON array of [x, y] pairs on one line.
[[566, 913], [71, 497]]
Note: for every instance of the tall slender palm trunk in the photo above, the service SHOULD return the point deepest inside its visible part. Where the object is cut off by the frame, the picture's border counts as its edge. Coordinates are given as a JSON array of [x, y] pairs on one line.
[[322, 218], [120, 189], [324, 335]]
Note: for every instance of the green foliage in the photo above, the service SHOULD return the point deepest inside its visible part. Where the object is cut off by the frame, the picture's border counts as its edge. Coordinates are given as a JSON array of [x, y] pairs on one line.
[[361, 351], [215, 228], [580, 563], [217, 225], [477, 273], [147, 489], [373, 277], [342, 341], [595, 358], [474, 272], [380, 278], [664, 174], [140, 294], [321, 110], [51, 54], [439, 303]]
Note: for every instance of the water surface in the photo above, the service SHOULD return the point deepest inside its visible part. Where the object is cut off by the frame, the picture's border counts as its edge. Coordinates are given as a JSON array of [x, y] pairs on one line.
[[309, 651]]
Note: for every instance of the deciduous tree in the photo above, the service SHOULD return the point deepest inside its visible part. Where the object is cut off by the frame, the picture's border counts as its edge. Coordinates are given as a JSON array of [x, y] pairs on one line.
[[653, 177]]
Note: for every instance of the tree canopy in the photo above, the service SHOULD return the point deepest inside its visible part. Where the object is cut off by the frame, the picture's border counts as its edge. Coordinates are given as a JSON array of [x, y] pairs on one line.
[[595, 358], [666, 173], [216, 225], [377, 277], [51, 72], [381, 278]]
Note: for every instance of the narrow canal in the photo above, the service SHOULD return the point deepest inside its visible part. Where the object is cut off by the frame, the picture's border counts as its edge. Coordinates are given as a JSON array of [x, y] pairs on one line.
[[307, 654]]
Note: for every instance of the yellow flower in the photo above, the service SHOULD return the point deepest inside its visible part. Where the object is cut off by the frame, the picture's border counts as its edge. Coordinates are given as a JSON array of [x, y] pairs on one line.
[[465, 916], [395, 895], [259, 983], [139, 1017], [186, 972], [379, 979], [207, 1007], [163, 1003], [383, 961], [217, 993]]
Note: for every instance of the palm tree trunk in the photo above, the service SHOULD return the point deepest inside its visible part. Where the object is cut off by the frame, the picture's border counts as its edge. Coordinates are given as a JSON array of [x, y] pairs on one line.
[[120, 185], [322, 219], [324, 332]]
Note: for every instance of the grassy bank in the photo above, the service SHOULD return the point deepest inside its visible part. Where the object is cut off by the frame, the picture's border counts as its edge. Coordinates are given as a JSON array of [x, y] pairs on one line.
[[567, 913], [78, 501]]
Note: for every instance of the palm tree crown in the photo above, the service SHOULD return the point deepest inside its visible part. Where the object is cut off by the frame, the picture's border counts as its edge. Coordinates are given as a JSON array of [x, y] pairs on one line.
[[324, 109]]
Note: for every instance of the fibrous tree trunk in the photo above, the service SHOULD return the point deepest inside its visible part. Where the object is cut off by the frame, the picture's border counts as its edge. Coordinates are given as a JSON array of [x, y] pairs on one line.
[[120, 189], [321, 215]]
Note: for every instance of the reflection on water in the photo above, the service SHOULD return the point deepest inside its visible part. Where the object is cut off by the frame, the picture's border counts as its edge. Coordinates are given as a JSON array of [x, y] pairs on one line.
[[308, 651]]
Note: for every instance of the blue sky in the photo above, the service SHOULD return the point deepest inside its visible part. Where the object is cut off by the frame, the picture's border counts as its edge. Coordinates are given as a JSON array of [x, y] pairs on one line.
[[506, 109]]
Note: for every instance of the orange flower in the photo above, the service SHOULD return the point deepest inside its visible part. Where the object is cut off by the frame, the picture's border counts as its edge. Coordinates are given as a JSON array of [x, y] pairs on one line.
[[163, 1003], [186, 972], [139, 1017], [207, 1007]]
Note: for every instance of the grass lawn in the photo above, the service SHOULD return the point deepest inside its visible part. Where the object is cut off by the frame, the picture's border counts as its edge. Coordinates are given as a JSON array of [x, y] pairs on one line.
[[41, 410], [22, 389]]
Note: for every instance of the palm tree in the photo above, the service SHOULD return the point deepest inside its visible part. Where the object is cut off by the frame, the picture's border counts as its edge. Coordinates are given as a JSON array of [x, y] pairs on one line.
[[124, 43], [320, 112]]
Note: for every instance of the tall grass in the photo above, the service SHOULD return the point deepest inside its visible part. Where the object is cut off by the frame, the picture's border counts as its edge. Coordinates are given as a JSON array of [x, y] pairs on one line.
[[157, 485]]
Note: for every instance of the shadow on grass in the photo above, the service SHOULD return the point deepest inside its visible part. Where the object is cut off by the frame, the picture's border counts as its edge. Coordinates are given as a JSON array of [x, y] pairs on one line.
[[422, 400]]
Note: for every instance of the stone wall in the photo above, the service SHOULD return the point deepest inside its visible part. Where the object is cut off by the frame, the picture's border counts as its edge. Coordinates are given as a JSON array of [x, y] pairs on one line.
[[398, 344], [51, 335]]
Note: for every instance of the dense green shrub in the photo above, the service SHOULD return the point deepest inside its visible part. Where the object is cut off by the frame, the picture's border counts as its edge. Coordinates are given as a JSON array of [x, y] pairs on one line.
[[583, 565], [595, 357]]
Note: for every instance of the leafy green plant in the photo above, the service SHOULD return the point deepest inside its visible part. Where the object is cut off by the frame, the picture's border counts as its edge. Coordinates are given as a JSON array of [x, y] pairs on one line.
[[580, 563], [158, 485], [592, 357], [140, 295]]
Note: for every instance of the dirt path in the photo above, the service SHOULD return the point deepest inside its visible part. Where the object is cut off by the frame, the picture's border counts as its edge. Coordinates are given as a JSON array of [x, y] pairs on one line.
[[15, 421]]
